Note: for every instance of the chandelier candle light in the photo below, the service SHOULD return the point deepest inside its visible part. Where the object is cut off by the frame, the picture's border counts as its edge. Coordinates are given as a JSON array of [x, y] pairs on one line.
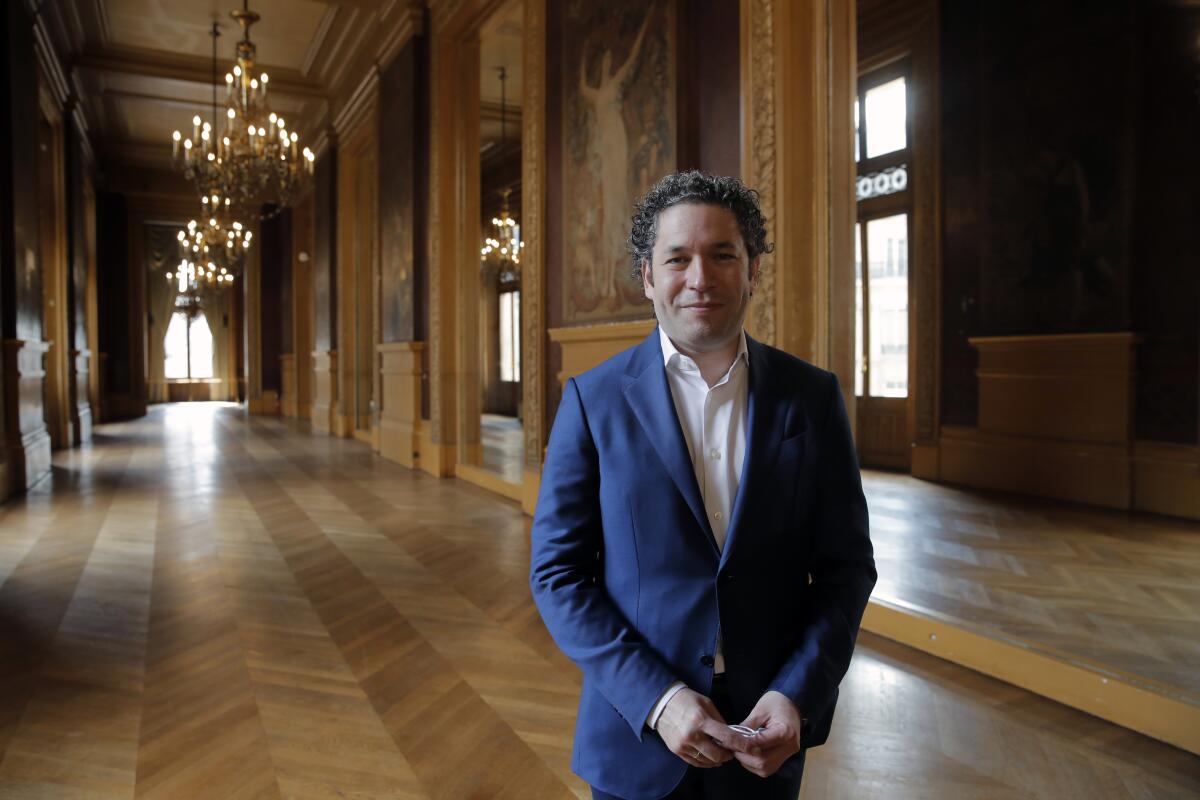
[[214, 252], [255, 158]]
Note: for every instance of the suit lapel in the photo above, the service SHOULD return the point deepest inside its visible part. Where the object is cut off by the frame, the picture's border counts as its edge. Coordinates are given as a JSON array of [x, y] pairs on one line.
[[764, 424], [649, 395]]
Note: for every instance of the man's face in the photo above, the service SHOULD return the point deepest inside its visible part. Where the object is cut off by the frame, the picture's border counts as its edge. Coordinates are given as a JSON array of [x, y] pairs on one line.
[[700, 276]]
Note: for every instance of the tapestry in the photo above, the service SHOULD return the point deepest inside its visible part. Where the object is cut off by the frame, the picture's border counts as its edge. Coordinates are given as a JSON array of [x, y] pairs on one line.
[[618, 139]]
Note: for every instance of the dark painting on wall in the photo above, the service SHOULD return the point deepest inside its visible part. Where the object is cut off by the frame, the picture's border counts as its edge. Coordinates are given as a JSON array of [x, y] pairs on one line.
[[324, 253], [618, 138], [397, 112], [1057, 151]]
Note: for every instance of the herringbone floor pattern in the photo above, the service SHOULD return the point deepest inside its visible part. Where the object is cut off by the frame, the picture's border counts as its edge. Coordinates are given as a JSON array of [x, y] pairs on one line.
[[208, 605], [1119, 590]]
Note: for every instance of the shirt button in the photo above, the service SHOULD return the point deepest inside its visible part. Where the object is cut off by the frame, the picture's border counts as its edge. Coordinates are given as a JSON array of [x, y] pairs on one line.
[[715, 454], [719, 516], [707, 660]]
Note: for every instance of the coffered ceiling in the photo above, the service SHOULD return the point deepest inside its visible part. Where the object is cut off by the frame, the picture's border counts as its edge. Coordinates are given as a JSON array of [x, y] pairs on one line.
[[143, 68]]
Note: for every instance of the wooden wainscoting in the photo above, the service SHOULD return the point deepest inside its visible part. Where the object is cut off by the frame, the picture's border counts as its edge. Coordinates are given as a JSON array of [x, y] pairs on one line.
[[585, 346], [400, 415], [1055, 419], [1166, 478], [1098, 474], [287, 377], [28, 441], [81, 408], [324, 402], [189, 391], [882, 427], [1077, 388]]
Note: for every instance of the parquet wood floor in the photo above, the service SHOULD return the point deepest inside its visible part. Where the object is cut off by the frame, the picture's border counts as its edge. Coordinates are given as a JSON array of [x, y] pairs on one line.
[[208, 605], [1116, 589]]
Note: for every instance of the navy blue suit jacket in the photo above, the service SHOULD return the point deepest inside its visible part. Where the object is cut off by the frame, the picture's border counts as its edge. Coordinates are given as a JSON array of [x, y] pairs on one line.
[[629, 580]]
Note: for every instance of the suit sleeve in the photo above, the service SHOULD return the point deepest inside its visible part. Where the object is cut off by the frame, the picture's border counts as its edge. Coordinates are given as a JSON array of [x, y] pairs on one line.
[[842, 573], [567, 538]]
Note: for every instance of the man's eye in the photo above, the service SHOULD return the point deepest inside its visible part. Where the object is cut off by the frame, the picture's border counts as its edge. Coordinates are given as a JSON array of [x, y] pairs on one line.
[[676, 260], [726, 256]]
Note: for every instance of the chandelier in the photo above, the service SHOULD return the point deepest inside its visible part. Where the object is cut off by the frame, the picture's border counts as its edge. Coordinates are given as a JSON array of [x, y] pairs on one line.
[[213, 251], [255, 158], [195, 276], [502, 249]]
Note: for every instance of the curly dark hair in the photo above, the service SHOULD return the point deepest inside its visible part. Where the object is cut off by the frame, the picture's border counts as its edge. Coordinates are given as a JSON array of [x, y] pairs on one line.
[[695, 186]]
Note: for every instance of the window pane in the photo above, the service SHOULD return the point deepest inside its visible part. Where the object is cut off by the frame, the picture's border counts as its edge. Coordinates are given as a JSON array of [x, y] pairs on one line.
[[175, 345], [887, 119], [516, 335], [887, 271], [858, 311], [202, 347], [506, 324]]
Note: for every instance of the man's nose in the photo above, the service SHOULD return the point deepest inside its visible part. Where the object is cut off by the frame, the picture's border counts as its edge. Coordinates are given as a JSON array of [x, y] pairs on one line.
[[699, 273]]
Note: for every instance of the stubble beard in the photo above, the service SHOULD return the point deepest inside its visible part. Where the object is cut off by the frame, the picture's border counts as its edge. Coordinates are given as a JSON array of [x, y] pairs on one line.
[[700, 336]]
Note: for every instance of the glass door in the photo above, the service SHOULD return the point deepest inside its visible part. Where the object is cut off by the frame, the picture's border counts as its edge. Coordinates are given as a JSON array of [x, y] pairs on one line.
[[881, 267]]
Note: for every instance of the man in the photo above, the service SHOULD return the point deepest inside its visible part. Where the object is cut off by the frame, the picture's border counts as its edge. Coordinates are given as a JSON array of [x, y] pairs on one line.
[[700, 547]]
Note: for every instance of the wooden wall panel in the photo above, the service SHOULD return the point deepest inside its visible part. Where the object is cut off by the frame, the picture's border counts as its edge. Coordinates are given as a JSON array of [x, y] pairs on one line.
[[397, 195], [303, 303], [324, 257]]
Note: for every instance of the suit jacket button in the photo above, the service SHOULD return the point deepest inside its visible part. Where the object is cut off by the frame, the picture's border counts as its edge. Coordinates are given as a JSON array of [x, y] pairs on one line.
[[707, 660]]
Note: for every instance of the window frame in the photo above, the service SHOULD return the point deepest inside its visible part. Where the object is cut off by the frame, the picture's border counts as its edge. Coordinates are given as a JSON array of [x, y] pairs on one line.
[[882, 206]]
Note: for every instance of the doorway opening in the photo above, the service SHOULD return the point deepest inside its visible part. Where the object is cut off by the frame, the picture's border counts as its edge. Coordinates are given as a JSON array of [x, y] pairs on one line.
[[500, 78], [881, 283]]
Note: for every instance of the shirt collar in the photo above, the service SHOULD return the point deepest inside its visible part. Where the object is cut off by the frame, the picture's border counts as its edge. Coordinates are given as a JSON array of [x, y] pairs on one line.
[[670, 351]]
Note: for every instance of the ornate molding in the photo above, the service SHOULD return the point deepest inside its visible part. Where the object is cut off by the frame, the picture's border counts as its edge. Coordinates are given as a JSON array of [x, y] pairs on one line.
[[436, 332], [759, 156], [49, 62], [533, 203], [318, 40], [361, 103]]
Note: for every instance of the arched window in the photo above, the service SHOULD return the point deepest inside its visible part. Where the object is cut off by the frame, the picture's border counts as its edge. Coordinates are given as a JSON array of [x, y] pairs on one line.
[[189, 347]]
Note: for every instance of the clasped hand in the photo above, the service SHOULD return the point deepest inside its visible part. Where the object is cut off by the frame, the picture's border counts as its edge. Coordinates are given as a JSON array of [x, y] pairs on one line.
[[694, 730]]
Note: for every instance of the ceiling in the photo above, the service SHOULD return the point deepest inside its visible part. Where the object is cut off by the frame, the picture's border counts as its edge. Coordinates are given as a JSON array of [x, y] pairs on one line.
[[143, 68], [500, 45]]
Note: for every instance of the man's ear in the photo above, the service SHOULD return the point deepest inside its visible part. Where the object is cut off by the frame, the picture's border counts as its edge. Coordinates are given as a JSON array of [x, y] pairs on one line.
[[647, 279], [754, 273]]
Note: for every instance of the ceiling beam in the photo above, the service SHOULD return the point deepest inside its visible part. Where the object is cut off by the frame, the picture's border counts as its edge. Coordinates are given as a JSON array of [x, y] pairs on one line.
[[185, 68]]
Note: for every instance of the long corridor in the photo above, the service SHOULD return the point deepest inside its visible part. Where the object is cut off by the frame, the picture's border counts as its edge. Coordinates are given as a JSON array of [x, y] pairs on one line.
[[207, 604]]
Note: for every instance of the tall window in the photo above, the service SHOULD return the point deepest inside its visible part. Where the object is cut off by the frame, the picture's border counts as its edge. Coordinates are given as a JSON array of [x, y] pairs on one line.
[[881, 149], [189, 347], [510, 336]]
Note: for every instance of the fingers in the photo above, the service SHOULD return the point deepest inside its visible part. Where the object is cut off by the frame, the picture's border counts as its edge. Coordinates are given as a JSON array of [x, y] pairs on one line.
[[756, 764], [767, 762], [775, 734], [686, 727], [720, 733], [711, 754]]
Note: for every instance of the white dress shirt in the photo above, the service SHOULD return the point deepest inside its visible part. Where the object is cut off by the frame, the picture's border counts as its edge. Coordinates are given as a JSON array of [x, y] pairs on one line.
[[714, 426]]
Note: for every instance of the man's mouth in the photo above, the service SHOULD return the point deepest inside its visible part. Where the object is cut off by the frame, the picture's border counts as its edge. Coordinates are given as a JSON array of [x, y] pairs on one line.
[[702, 308]]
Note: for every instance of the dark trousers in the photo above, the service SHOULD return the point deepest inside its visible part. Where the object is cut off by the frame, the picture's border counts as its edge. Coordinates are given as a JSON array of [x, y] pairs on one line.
[[730, 781]]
